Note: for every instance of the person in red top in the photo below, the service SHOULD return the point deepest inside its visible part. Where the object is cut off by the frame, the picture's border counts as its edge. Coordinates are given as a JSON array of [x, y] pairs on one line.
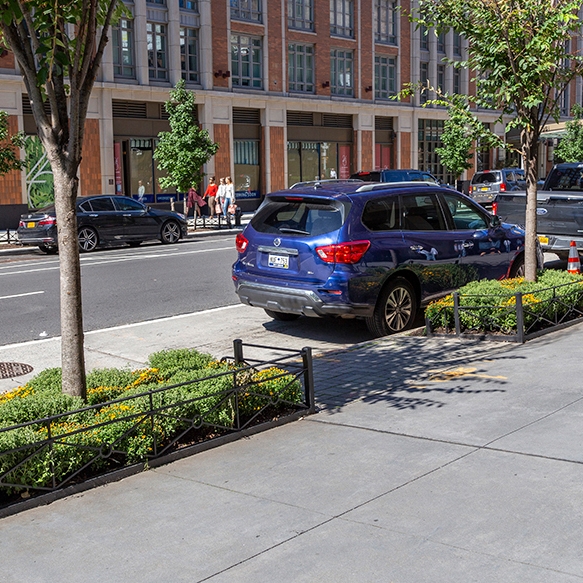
[[210, 194]]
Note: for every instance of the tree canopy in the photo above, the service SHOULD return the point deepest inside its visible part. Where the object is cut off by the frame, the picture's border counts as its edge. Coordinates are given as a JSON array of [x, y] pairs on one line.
[[183, 150], [522, 58], [570, 146]]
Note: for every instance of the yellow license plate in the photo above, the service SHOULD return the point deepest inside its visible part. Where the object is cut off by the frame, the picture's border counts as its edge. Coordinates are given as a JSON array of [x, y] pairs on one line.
[[484, 188], [543, 240], [31, 225]]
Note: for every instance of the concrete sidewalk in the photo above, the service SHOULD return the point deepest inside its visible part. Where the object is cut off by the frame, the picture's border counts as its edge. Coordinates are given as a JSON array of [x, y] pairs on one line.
[[430, 461]]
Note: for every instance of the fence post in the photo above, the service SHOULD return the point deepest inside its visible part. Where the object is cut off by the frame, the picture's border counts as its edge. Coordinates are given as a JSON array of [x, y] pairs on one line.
[[153, 426], [309, 379], [456, 313], [428, 329], [238, 351], [519, 318]]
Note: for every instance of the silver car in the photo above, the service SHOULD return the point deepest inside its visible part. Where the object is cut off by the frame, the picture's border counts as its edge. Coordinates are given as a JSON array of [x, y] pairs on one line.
[[487, 184]]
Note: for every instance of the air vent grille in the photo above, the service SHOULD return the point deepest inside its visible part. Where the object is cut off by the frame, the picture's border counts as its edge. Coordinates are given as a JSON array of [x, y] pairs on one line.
[[246, 116], [300, 118], [336, 120], [383, 123], [131, 109]]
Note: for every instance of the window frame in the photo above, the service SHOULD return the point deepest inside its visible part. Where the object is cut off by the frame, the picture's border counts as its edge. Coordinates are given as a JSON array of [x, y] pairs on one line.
[[117, 39], [342, 18], [157, 31], [338, 56], [308, 69], [237, 77], [296, 14], [246, 10], [190, 75], [389, 65], [386, 22]]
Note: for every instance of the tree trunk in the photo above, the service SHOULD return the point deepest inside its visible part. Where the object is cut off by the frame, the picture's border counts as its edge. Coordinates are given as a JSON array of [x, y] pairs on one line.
[[530, 156], [72, 352]]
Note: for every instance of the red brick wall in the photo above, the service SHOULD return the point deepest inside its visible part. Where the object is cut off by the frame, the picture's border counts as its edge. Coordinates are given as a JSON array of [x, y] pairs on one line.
[[223, 156], [367, 150], [10, 184], [220, 43], [7, 61], [405, 150], [274, 46], [277, 158], [90, 169], [405, 46]]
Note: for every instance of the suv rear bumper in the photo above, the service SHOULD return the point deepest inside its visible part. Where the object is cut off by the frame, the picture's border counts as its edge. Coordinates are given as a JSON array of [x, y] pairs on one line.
[[303, 302], [558, 243]]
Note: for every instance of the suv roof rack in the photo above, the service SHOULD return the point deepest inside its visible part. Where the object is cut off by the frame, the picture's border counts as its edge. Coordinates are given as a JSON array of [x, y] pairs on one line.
[[384, 185], [319, 183]]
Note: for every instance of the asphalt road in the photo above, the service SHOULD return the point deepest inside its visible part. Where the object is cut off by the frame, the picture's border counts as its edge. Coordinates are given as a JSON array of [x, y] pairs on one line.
[[120, 286]]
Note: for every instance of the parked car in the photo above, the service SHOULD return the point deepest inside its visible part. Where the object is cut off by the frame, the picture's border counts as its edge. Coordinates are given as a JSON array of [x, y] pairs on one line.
[[485, 185], [104, 220], [374, 251], [395, 175]]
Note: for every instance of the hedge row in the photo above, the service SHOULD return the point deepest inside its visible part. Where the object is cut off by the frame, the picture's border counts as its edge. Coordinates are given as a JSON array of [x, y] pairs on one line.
[[123, 429], [490, 305]]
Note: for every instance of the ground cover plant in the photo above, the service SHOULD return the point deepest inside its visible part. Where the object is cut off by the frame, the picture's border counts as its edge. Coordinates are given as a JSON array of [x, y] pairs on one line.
[[490, 305], [48, 438]]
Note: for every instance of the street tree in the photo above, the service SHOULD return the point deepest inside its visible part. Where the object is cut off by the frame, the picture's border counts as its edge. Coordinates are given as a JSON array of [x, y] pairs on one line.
[[59, 47], [9, 147], [183, 151], [524, 60], [570, 147]]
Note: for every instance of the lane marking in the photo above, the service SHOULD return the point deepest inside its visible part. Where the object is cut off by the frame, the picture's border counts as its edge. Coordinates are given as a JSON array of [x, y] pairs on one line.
[[21, 295], [89, 262], [124, 326]]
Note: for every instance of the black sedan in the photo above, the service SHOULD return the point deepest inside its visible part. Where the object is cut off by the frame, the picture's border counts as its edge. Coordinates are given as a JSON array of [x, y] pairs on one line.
[[104, 220]]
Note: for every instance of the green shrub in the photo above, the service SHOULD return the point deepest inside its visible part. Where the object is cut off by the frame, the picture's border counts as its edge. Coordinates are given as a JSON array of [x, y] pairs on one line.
[[170, 361], [490, 305]]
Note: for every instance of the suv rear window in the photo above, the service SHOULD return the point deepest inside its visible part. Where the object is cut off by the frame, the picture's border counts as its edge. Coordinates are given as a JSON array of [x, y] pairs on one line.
[[301, 217], [565, 179], [483, 177]]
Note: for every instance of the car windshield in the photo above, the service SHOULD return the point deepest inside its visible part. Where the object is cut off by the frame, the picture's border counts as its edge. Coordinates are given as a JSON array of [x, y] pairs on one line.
[[301, 217]]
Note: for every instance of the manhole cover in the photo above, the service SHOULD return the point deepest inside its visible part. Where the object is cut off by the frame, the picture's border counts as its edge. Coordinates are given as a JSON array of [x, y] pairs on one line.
[[13, 369]]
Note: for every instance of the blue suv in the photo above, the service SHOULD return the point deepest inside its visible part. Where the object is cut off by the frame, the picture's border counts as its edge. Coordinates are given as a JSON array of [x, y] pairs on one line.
[[375, 251]]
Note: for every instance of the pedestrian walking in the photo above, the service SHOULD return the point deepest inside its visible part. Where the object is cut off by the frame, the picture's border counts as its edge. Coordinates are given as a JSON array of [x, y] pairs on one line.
[[195, 201], [220, 196], [210, 195], [229, 197]]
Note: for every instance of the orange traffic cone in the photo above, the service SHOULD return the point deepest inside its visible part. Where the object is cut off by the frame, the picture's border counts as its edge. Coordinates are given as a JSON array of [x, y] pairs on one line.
[[573, 264]]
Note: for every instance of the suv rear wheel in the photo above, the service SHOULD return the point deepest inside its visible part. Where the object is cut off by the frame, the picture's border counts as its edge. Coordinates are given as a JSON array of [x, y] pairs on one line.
[[395, 309]]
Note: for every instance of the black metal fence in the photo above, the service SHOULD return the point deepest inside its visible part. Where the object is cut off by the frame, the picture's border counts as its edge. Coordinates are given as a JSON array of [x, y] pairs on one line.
[[8, 237], [512, 317], [157, 426]]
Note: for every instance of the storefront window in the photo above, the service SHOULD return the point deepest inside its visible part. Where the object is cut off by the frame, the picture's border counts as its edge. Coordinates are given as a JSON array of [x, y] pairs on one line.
[[317, 161], [246, 169]]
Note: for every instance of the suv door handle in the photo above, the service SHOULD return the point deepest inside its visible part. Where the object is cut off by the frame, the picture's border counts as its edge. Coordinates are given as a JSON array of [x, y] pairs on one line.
[[127, 215], [416, 247], [468, 244]]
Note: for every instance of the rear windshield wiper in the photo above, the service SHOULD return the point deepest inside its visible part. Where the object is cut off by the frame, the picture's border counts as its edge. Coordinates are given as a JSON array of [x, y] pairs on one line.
[[290, 230]]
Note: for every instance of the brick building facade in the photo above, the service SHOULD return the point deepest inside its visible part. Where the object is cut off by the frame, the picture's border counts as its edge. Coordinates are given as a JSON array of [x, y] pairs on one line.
[[291, 89]]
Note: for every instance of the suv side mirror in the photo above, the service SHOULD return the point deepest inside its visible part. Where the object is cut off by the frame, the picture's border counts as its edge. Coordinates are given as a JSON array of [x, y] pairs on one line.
[[495, 221]]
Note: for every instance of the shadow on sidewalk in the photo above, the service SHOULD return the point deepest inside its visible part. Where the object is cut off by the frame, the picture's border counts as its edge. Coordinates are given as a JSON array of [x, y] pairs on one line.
[[407, 372]]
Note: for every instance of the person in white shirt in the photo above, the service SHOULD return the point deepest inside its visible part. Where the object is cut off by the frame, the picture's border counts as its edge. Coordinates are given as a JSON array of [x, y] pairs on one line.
[[221, 194], [229, 195]]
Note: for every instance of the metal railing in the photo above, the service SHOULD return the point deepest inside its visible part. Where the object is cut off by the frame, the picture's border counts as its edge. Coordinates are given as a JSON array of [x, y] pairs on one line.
[[8, 237], [514, 317], [158, 425]]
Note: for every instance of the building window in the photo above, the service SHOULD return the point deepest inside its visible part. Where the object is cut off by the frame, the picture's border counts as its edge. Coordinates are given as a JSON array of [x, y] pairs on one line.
[[386, 21], [341, 77], [189, 5], [157, 56], [385, 77], [457, 81], [342, 18], [247, 169], [423, 78], [300, 68], [300, 14], [423, 38], [441, 42], [161, 2], [246, 61], [189, 54], [457, 44], [441, 77], [123, 49], [246, 10], [429, 138]]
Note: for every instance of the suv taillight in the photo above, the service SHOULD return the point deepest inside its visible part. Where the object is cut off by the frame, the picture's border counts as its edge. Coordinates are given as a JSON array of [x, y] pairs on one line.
[[502, 187], [47, 221], [343, 252], [494, 208], [241, 242]]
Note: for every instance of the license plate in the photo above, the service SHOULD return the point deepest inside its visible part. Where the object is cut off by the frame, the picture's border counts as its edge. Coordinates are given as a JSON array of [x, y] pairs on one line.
[[30, 225], [278, 261], [543, 240], [484, 189]]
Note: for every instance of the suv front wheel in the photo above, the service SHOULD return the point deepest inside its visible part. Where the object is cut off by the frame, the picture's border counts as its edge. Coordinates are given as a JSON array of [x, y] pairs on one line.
[[395, 309]]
